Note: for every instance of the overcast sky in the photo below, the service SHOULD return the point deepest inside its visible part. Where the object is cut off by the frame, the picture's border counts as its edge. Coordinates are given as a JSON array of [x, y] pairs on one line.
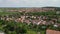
[[29, 3]]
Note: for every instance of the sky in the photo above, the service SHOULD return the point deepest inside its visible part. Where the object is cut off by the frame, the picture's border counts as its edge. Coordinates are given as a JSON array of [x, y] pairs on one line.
[[29, 3]]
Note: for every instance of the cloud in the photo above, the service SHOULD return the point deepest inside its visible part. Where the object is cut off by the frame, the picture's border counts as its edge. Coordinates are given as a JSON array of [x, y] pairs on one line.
[[29, 3]]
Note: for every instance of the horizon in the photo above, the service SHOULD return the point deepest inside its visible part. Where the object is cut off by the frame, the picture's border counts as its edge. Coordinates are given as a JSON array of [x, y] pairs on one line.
[[29, 7]]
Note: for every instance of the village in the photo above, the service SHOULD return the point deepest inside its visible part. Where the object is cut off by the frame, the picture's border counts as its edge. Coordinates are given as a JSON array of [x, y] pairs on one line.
[[43, 16]]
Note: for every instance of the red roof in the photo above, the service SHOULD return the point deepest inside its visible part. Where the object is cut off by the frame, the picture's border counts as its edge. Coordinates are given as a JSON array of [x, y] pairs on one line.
[[48, 31]]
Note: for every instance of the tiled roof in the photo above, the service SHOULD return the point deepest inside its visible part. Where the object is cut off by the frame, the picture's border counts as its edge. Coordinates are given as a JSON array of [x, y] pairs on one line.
[[48, 31]]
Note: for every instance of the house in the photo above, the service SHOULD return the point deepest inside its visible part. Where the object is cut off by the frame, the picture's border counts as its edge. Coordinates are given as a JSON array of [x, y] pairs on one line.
[[57, 24], [51, 22], [19, 20], [34, 21], [27, 21], [48, 31], [8, 19]]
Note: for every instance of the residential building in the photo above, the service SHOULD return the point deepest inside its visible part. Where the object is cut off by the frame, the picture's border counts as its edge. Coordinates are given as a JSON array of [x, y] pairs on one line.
[[49, 31]]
